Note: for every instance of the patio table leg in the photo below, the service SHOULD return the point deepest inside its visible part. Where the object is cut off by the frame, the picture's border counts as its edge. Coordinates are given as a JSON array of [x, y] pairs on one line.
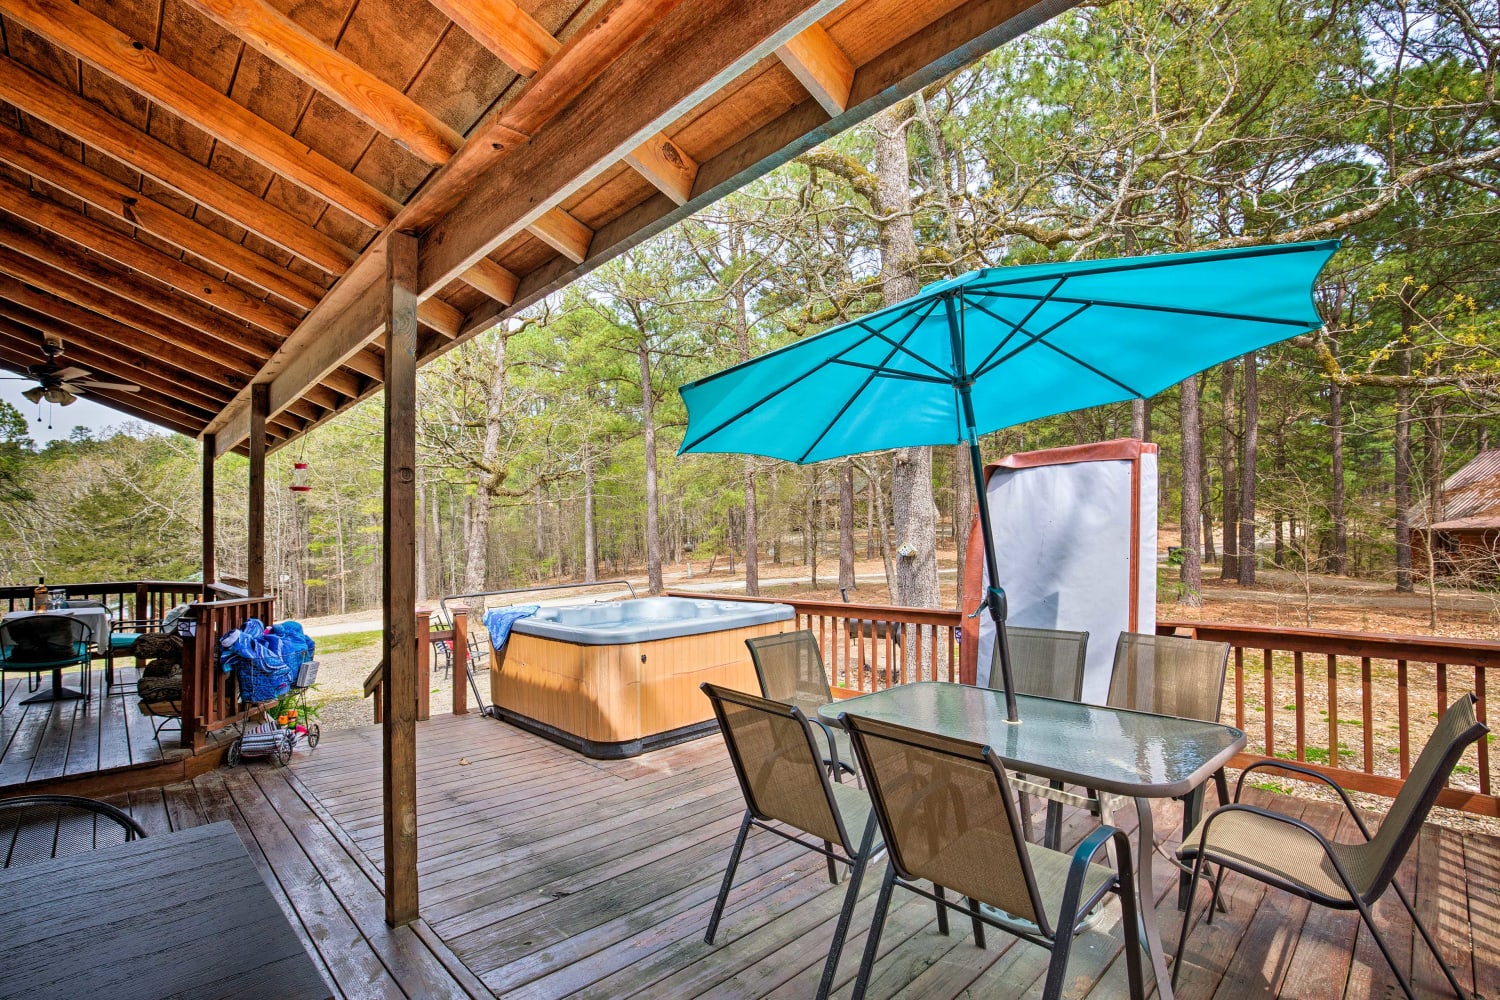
[[1145, 848], [57, 693]]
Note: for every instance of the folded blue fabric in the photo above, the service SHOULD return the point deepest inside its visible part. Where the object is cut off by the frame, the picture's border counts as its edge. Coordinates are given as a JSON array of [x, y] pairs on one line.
[[498, 621]]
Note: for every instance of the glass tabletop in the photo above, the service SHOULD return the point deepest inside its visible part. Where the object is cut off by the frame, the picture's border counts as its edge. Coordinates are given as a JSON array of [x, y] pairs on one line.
[[1136, 754]]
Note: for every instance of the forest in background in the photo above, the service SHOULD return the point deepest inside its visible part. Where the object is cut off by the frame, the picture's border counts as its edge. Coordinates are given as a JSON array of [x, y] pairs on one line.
[[547, 445]]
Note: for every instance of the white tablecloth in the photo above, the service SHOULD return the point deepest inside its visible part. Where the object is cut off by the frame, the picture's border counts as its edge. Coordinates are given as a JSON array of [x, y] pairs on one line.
[[95, 618]]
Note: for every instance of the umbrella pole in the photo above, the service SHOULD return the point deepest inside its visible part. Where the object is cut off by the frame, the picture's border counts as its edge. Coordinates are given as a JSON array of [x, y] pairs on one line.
[[994, 595]]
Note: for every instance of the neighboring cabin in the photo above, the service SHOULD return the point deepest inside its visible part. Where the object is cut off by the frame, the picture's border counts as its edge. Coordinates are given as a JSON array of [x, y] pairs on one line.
[[1466, 541]]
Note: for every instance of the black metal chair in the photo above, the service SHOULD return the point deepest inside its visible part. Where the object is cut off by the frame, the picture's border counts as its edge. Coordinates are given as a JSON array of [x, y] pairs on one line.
[[790, 669], [1291, 855], [37, 828], [123, 634], [43, 642], [776, 760], [948, 816]]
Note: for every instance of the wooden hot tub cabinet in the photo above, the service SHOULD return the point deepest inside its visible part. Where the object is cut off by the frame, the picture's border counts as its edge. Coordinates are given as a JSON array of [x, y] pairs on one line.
[[621, 700]]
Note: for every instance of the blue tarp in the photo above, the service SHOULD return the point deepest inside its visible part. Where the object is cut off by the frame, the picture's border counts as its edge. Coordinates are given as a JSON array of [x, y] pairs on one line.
[[498, 621], [255, 657]]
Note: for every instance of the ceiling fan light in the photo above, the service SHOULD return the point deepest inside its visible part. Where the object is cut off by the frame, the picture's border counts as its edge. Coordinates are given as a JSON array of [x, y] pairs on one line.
[[34, 394], [58, 395]]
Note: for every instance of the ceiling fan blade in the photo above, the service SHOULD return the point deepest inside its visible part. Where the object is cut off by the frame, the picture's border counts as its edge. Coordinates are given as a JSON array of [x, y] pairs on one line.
[[66, 374], [111, 386]]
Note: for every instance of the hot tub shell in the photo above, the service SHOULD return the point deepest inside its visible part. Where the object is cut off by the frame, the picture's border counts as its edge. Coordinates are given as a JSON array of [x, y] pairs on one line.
[[617, 679]]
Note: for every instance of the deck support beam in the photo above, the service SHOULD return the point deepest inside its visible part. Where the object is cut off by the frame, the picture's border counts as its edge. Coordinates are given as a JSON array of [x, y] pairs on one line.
[[399, 580], [210, 569], [260, 408]]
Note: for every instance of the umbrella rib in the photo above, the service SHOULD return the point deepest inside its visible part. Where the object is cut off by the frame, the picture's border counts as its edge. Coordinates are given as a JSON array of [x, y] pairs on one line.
[[1040, 338], [1016, 327], [1142, 307], [891, 372], [858, 392]]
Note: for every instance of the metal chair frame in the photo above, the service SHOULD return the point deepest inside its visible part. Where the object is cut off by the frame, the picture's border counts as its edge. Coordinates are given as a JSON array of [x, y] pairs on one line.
[[759, 646], [9, 835], [82, 636]]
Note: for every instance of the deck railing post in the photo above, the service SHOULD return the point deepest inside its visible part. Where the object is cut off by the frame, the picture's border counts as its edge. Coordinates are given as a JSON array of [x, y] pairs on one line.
[[424, 665], [460, 661]]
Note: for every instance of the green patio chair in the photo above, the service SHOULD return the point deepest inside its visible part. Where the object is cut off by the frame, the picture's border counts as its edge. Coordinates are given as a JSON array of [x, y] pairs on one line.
[[782, 777], [948, 816], [1293, 856], [790, 669], [41, 643]]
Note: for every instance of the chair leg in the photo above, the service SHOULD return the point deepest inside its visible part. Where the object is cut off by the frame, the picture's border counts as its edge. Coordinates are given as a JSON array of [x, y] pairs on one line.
[[846, 913], [1053, 837], [942, 909], [1023, 799], [1187, 916], [1458, 990], [978, 924], [872, 942], [734, 861], [833, 868], [1130, 902], [1216, 903], [1057, 965], [1369, 919]]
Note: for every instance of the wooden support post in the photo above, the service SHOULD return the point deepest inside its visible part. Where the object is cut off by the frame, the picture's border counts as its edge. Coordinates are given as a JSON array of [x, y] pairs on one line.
[[399, 580], [210, 452], [260, 408], [424, 665], [460, 661]]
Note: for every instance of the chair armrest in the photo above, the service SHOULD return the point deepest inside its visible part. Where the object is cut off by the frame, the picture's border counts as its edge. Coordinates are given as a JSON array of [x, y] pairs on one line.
[[1310, 773], [1277, 817]]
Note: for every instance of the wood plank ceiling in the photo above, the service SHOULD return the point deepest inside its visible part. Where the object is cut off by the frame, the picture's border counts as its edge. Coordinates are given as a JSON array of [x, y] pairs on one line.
[[195, 194]]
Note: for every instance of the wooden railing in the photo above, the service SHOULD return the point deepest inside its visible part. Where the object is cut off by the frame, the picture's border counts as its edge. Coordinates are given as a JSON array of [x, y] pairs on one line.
[[1357, 706], [210, 697], [124, 599], [869, 647]]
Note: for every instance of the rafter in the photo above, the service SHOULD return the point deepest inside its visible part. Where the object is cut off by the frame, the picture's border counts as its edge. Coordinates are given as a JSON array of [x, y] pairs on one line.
[[563, 233], [343, 81], [505, 29], [138, 66], [822, 68], [181, 277], [73, 178], [493, 279], [217, 335], [90, 124], [662, 162]]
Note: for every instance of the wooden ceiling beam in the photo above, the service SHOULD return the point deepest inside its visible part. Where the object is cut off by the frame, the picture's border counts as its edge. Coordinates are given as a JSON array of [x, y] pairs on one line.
[[505, 29], [110, 367], [662, 162], [18, 258], [822, 68], [139, 67], [494, 280], [183, 278], [107, 195], [217, 335], [90, 124], [339, 78], [675, 67], [563, 233]]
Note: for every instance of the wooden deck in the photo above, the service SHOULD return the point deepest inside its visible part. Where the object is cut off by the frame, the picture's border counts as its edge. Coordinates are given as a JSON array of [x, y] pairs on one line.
[[39, 743], [545, 874]]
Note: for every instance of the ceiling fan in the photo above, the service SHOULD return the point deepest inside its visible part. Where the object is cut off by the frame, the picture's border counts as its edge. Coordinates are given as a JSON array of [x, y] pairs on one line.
[[60, 385]]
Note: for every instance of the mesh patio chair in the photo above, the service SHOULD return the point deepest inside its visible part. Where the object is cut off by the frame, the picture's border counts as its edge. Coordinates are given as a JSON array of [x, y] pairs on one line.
[[1289, 854], [41, 827], [948, 816], [45, 642], [790, 669], [1048, 663], [780, 771]]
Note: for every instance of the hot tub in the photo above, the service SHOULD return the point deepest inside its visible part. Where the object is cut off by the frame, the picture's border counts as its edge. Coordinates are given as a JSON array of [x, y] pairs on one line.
[[615, 679]]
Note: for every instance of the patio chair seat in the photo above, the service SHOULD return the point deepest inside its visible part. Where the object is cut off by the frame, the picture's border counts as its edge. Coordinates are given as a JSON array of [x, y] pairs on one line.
[[1280, 852], [1051, 870]]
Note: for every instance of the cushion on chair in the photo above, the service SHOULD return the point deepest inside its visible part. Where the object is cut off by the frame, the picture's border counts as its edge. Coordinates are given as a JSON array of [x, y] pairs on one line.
[[157, 693], [122, 641]]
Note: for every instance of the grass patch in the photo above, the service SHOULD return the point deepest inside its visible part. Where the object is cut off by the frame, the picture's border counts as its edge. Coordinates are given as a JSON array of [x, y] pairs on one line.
[[348, 642]]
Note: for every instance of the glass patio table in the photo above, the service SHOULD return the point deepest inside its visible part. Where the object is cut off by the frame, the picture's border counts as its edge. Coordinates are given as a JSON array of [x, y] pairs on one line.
[[1133, 754]]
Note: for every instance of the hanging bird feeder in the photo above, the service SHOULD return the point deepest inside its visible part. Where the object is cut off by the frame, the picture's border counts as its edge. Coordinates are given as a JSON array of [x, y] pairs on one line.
[[300, 478]]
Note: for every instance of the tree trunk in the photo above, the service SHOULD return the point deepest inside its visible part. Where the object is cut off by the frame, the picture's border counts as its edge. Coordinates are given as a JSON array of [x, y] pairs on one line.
[[1229, 567], [1248, 442], [752, 532], [963, 508], [846, 526], [1140, 419], [476, 565], [810, 529], [1192, 497], [912, 503], [1404, 465], [590, 537], [870, 534], [882, 524], [648, 417], [1338, 564]]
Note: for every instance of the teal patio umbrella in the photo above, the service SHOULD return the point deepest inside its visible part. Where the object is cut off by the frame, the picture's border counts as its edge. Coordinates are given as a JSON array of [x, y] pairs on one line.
[[1002, 346]]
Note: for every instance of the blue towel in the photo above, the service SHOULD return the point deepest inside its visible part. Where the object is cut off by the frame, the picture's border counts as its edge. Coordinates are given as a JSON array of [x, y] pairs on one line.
[[498, 621]]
